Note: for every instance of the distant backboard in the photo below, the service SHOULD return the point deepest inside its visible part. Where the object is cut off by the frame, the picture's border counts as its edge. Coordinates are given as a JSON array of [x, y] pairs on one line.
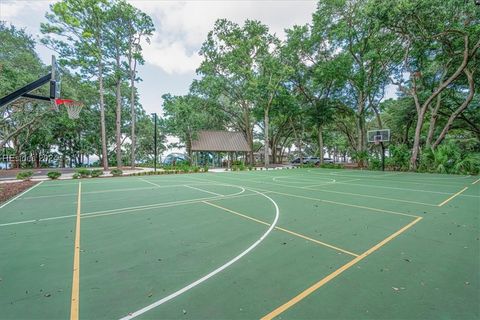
[[379, 135]]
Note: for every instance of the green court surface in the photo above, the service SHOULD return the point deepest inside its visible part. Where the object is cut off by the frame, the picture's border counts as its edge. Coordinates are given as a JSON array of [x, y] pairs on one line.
[[284, 244]]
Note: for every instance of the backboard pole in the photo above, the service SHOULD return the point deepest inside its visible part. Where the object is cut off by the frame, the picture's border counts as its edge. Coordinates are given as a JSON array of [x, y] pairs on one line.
[[383, 155]]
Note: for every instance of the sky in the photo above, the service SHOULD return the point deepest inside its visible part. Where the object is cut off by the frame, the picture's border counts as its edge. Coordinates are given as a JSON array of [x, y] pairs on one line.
[[181, 28]]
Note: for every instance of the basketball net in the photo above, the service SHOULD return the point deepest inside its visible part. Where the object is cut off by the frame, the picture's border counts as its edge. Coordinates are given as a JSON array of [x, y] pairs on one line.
[[73, 107]]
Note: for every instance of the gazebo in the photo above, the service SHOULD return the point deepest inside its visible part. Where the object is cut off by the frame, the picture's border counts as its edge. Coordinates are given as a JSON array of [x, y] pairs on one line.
[[217, 142]]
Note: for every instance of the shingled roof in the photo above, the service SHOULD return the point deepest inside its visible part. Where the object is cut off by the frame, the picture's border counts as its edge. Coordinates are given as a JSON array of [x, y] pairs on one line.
[[220, 141]]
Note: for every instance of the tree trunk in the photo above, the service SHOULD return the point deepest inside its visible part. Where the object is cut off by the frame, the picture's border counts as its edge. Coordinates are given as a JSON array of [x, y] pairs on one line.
[[433, 120], [459, 110], [320, 143], [416, 140], [102, 117], [118, 120], [132, 110], [266, 144]]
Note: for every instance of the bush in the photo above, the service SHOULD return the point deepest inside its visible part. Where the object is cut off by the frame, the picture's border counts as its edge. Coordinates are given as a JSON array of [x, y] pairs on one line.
[[54, 175], [24, 175], [96, 173], [399, 157], [332, 166], [307, 165], [116, 172], [84, 173], [76, 175], [374, 162], [205, 169], [250, 168], [196, 169]]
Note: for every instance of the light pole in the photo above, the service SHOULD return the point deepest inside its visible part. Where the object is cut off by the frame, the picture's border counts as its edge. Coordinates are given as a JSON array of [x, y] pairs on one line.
[[155, 142]]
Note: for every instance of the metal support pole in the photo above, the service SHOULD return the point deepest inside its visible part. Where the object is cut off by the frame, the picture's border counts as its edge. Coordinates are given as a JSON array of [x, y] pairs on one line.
[[155, 142], [383, 156], [5, 158]]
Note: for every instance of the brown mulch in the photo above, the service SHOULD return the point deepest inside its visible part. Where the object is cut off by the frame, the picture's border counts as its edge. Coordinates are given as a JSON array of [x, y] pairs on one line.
[[9, 190]]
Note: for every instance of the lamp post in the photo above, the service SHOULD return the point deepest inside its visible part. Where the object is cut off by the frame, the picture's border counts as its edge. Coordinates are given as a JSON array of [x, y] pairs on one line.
[[155, 142]]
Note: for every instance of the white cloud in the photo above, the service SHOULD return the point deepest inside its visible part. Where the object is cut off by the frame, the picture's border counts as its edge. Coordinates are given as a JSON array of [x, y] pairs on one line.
[[172, 57], [183, 26]]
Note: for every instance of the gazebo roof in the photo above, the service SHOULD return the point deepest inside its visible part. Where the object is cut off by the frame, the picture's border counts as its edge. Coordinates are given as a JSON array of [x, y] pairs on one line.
[[223, 141]]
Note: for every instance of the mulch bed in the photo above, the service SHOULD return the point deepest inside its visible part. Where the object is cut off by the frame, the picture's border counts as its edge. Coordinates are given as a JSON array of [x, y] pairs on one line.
[[9, 190]]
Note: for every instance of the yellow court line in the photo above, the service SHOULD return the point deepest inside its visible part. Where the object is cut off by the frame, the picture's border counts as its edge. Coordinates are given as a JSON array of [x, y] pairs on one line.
[[337, 272], [284, 230], [453, 196], [475, 182], [76, 262]]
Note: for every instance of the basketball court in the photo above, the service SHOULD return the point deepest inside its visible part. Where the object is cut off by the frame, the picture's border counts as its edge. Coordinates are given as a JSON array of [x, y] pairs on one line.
[[284, 244]]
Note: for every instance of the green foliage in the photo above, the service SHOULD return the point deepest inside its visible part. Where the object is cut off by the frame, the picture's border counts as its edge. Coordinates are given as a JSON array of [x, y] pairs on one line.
[[116, 172], [449, 158], [307, 165], [24, 175], [205, 169], [76, 175], [84, 173], [332, 166], [54, 175], [399, 157], [96, 173]]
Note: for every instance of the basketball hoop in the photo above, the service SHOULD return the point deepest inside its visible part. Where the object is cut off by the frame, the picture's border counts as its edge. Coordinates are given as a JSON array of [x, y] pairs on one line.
[[73, 107]]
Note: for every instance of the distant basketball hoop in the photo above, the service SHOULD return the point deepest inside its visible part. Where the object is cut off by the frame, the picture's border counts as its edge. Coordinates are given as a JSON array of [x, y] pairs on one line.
[[378, 137]]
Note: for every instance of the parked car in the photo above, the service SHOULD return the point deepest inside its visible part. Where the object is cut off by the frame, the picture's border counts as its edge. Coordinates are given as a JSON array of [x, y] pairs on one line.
[[176, 159], [327, 160], [296, 161], [313, 160]]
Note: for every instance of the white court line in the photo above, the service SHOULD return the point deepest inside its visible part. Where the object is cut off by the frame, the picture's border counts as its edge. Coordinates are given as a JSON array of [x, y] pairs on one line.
[[132, 209], [214, 193], [21, 194], [214, 272], [373, 177]]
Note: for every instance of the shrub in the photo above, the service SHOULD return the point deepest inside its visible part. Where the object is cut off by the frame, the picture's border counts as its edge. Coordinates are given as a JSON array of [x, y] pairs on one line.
[[374, 162], [76, 175], [84, 173], [399, 157], [250, 168], [307, 165], [116, 172], [205, 169], [332, 166], [24, 175], [54, 175], [96, 173], [196, 169]]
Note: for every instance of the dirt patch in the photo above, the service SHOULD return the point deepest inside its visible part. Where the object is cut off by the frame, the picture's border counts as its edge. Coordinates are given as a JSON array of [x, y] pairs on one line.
[[9, 190]]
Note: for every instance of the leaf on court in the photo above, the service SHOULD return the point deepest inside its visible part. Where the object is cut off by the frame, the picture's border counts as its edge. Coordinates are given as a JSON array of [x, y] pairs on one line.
[[150, 295], [47, 295]]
